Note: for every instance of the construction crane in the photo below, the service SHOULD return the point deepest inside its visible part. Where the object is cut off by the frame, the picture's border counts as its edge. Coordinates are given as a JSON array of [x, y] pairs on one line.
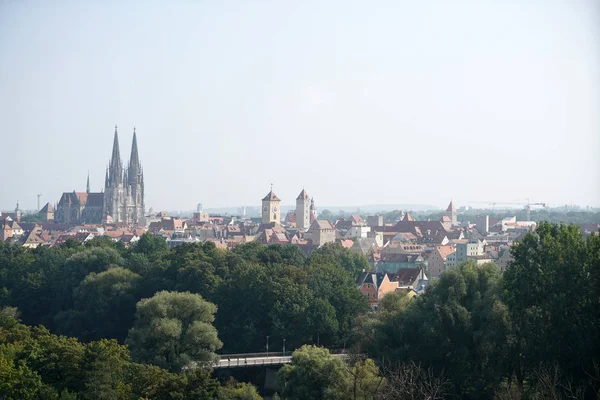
[[38, 202], [489, 203], [527, 205]]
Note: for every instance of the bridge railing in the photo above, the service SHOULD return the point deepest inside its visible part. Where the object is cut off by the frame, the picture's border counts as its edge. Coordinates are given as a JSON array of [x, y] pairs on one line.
[[254, 355], [252, 361], [272, 354]]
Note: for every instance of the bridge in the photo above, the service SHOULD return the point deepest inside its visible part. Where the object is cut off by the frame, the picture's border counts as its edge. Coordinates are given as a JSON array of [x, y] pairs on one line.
[[252, 359], [257, 359]]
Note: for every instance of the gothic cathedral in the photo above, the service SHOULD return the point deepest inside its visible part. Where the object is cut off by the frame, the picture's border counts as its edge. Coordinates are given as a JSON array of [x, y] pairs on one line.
[[124, 188]]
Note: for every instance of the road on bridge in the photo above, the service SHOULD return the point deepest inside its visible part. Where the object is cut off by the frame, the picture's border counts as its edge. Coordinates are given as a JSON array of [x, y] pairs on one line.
[[229, 362], [257, 359]]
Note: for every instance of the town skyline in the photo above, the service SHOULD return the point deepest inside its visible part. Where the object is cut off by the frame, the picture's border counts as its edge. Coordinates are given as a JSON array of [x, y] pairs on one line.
[[403, 103]]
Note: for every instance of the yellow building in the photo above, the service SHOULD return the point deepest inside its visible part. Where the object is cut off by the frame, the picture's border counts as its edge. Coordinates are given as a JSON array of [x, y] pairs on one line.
[[271, 208]]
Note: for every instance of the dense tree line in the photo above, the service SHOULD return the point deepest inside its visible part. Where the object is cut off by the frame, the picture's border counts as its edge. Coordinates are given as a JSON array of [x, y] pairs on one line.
[[528, 333], [491, 333], [90, 291], [35, 364]]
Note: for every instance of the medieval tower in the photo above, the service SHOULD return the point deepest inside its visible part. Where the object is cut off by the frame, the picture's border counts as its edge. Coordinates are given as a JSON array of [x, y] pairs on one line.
[[451, 213], [313, 211], [124, 188], [303, 210], [270, 208]]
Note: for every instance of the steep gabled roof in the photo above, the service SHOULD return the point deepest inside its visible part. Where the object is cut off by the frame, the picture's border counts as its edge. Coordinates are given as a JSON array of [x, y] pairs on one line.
[[95, 199], [303, 195], [47, 208], [271, 197], [451, 207], [321, 224], [407, 276]]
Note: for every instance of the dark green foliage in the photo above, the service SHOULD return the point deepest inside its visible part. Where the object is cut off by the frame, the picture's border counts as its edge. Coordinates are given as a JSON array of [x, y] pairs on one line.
[[103, 306], [35, 364], [303, 302], [335, 254], [486, 331], [90, 291], [553, 294]]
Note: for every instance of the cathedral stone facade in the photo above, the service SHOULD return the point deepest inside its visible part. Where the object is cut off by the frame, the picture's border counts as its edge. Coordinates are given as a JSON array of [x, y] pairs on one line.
[[122, 200], [124, 187]]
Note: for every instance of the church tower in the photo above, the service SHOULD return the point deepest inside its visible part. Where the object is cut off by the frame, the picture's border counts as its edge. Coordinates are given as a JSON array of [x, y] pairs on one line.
[[124, 188], [313, 211], [451, 213], [270, 208], [135, 181], [113, 184], [303, 210]]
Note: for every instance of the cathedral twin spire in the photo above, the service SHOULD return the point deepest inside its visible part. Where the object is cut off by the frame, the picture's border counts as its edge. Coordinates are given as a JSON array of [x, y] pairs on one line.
[[115, 174], [124, 187]]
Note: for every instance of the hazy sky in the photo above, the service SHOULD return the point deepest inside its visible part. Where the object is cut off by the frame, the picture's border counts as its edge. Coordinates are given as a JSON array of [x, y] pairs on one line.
[[361, 102]]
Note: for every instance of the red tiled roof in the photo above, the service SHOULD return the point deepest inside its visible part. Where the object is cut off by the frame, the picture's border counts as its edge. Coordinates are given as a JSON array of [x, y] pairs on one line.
[[347, 243], [445, 251]]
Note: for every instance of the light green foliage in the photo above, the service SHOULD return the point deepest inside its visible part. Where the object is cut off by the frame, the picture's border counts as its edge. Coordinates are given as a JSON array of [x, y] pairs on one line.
[[172, 329], [364, 380], [394, 302], [315, 374], [233, 390], [17, 382]]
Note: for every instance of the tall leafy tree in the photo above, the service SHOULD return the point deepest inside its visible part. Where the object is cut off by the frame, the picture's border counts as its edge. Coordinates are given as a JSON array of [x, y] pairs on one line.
[[453, 327], [172, 329], [313, 374], [104, 306], [552, 294]]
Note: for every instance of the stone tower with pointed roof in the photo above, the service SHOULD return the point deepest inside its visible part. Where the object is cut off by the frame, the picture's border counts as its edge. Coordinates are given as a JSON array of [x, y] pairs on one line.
[[303, 211], [124, 188], [451, 213], [270, 208], [313, 211]]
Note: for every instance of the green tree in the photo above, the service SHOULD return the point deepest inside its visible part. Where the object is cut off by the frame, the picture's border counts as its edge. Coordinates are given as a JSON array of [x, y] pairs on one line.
[[153, 247], [104, 306], [234, 390], [18, 382], [103, 364], [336, 254], [313, 374], [172, 329], [328, 215], [458, 326], [552, 294]]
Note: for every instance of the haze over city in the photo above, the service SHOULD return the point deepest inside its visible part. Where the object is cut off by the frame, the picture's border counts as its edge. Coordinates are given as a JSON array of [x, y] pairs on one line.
[[406, 102]]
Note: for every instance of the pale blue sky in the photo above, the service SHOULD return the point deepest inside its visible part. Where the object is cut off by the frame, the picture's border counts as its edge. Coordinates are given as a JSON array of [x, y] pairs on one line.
[[360, 102]]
